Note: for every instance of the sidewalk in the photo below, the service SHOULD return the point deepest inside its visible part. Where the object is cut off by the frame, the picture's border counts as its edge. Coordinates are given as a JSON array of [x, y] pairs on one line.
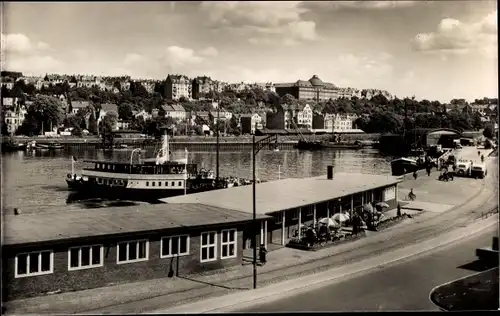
[[283, 264], [267, 294]]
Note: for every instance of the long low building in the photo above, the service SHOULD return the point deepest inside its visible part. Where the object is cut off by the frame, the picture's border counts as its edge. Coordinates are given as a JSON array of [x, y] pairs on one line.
[[77, 250], [297, 201]]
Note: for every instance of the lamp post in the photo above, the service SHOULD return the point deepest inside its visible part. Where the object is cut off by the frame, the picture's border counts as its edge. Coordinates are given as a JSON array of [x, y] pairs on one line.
[[217, 158], [256, 147]]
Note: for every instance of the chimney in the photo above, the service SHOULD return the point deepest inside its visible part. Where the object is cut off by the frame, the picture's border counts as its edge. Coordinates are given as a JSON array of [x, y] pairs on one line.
[[329, 172]]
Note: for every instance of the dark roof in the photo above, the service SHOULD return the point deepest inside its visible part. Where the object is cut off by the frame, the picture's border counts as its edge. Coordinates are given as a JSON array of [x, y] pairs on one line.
[[315, 81], [33, 228], [173, 108], [289, 193]]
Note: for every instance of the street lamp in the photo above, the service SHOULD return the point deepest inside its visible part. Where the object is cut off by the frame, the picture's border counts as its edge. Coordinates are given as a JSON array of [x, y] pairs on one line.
[[217, 158], [256, 147]]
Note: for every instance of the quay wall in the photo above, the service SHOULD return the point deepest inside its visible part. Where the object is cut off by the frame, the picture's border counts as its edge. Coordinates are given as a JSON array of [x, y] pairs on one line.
[[192, 143]]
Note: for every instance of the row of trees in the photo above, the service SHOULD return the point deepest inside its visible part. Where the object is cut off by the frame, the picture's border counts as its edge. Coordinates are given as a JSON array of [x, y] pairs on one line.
[[390, 122]]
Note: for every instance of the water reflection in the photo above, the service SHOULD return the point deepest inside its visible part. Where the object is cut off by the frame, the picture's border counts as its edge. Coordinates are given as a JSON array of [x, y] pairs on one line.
[[35, 181]]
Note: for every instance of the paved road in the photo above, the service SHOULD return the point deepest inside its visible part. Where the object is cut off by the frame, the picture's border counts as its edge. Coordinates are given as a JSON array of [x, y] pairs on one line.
[[403, 286]]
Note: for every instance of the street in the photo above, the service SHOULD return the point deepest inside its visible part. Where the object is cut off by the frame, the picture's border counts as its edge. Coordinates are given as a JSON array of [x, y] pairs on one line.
[[402, 286]]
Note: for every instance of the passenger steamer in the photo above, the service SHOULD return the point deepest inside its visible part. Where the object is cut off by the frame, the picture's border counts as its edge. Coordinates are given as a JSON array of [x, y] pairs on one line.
[[149, 179]]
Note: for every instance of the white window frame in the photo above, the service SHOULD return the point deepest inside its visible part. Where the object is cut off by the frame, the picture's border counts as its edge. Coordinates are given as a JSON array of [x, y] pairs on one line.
[[208, 246], [127, 243], [228, 243], [178, 246], [90, 266], [28, 273]]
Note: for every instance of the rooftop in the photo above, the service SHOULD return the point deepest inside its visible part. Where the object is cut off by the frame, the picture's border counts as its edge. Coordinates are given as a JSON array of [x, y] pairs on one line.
[[32, 228], [289, 193]]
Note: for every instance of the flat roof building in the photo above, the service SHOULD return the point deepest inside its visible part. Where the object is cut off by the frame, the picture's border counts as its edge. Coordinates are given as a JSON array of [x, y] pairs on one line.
[[295, 201], [77, 250]]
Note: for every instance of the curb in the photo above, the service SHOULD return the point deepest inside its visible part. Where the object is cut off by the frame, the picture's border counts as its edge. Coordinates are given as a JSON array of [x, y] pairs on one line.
[[282, 289], [453, 281]]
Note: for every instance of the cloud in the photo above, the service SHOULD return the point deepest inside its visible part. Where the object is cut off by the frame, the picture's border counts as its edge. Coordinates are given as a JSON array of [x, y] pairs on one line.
[[358, 5], [209, 52], [21, 44], [180, 56], [455, 37], [262, 22], [132, 58], [23, 54]]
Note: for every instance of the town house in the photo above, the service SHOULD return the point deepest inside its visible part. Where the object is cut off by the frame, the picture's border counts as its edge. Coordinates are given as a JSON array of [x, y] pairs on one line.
[[78, 105], [175, 111], [305, 116], [201, 87], [250, 122], [178, 86]]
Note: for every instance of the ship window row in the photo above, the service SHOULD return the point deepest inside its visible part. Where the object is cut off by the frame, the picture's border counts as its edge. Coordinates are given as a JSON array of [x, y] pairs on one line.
[[86, 257], [147, 169], [110, 181], [159, 183]]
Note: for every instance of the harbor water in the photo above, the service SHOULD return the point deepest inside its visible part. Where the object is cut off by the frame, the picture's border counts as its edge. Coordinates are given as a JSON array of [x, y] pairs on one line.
[[35, 181]]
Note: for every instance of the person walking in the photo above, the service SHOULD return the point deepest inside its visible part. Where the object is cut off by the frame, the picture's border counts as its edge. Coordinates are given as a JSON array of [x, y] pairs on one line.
[[263, 255], [428, 171], [399, 210], [415, 175]]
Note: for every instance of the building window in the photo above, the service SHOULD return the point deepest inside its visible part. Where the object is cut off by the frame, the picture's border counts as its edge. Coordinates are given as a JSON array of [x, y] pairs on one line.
[[278, 218], [228, 244], [153, 183], [295, 214], [159, 183], [173, 183], [34, 263], [132, 251], [166, 183], [180, 183], [174, 246], [147, 183], [208, 247], [310, 211], [85, 257]]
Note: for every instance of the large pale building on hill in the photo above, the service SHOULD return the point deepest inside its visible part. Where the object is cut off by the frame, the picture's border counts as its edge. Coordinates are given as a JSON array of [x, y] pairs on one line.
[[313, 89]]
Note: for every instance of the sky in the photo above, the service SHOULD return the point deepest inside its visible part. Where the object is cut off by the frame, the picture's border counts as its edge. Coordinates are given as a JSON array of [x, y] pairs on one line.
[[436, 50]]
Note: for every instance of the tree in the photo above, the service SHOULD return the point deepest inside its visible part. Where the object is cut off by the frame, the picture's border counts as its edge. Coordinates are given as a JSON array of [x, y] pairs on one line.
[[125, 111], [45, 112], [138, 90], [288, 99], [489, 131], [92, 123], [106, 128]]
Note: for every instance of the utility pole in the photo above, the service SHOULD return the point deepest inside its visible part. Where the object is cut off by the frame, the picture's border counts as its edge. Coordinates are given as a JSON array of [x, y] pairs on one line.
[[217, 128]]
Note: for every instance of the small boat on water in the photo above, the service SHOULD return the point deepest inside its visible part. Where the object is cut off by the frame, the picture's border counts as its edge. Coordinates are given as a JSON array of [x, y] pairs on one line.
[[49, 146], [355, 145], [309, 145], [403, 165]]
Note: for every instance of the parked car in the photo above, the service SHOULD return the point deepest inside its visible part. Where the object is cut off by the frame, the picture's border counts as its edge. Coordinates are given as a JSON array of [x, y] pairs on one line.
[[478, 170], [463, 168]]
